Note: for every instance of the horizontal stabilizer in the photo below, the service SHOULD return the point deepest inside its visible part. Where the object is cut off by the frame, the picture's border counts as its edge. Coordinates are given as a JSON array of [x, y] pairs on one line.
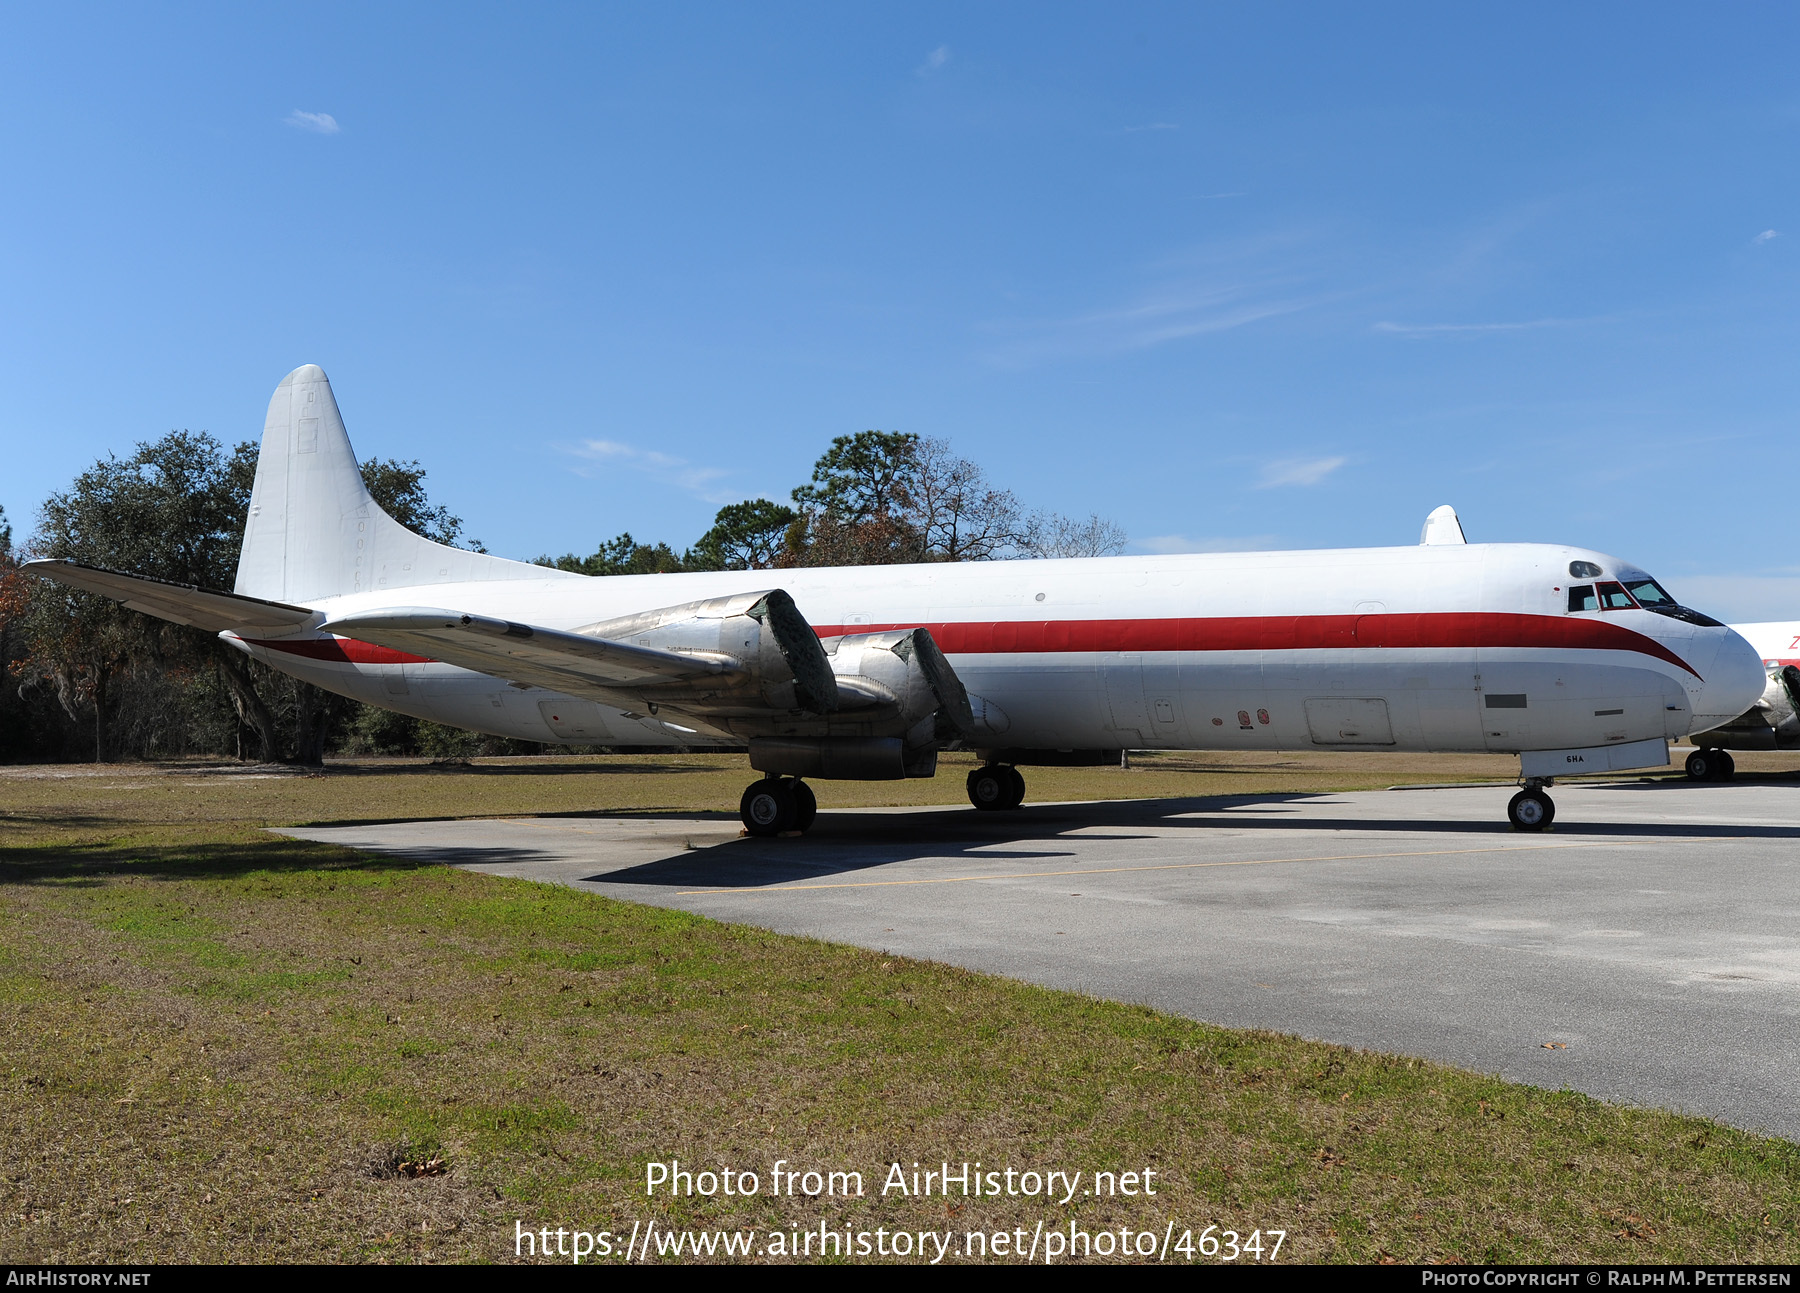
[[202, 608], [576, 663]]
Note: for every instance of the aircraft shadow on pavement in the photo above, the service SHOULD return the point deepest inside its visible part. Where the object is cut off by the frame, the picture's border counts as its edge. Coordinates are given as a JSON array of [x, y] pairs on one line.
[[842, 843]]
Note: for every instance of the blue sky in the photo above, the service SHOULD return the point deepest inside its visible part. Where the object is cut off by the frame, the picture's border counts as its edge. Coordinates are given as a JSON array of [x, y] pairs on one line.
[[1236, 277]]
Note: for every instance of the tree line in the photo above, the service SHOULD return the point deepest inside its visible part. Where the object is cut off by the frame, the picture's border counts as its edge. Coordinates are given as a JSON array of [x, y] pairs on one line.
[[88, 679], [875, 498]]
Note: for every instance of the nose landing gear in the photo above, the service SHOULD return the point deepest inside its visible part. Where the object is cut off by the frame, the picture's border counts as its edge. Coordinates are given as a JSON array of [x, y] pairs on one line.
[[996, 787], [777, 806], [1711, 765], [1531, 809]]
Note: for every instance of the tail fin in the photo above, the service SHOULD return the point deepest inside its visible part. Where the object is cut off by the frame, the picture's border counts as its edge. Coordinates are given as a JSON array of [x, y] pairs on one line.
[[313, 531]]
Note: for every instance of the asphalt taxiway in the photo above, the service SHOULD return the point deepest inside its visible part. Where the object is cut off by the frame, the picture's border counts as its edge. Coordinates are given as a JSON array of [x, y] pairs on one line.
[[1646, 950]]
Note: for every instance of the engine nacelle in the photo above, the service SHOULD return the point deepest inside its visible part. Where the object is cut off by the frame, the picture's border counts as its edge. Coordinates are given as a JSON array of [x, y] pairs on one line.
[[867, 706], [898, 683], [837, 758], [899, 702], [778, 664]]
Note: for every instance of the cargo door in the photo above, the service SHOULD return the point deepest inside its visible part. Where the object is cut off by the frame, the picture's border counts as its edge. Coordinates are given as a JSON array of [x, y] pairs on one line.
[[1349, 720]]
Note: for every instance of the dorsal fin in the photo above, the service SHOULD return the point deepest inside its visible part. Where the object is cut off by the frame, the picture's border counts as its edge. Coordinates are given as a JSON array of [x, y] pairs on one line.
[[1441, 527]]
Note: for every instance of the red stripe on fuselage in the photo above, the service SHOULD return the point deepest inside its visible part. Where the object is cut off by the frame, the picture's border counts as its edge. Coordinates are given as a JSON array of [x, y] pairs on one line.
[[1284, 633], [1452, 630]]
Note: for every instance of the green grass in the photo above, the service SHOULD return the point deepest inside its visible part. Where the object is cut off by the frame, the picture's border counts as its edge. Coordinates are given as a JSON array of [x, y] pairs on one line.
[[218, 1045]]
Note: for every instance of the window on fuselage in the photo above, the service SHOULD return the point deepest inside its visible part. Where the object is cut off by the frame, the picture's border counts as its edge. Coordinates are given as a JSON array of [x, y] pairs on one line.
[[1613, 597], [1581, 598]]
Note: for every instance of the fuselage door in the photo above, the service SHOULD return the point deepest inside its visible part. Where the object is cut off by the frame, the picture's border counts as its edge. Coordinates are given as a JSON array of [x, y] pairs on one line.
[[1122, 675], [1349, 720]]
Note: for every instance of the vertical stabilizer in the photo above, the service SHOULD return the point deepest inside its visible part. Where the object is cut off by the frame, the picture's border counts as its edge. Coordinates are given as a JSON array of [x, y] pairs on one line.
[[313, 532]]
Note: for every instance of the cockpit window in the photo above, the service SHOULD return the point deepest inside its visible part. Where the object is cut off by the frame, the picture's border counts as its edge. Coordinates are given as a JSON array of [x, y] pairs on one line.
[[1649, 594], [1653, 597], [1611, 596], [1585, 570]]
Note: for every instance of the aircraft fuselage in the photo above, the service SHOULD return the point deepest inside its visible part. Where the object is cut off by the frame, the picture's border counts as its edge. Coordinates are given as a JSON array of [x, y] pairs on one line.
[[1466, 647]]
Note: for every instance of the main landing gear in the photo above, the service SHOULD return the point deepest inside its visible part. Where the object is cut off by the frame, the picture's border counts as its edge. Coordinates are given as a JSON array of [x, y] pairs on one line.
[[1531, 809], [1711, 765], [995, 787], [778, 806]]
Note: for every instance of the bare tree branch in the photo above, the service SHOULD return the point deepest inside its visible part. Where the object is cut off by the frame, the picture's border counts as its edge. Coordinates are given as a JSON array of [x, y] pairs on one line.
[[1051, 534]]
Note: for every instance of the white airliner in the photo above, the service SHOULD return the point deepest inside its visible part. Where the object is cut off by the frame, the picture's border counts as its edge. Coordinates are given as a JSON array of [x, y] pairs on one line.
[[1572, 659], [1773, 722]]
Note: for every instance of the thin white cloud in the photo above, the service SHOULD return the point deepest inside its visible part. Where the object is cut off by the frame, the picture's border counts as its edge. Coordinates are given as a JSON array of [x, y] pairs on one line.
[[1170, 316], [1169, 319], [1767, 235], [1167, 544], [322, 123], [669, 470], [1452, 329], [934, 61], [1209, 288], [1297, 471], [1481, 255]]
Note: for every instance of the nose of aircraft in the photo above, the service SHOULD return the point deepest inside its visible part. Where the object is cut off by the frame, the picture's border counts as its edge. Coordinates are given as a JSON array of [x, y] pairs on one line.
[[1734, 682]]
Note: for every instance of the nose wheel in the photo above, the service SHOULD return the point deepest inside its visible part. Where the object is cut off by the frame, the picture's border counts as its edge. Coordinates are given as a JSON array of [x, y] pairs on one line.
[[996, 787], [1531, 810], [778, 806], [1711, 765]]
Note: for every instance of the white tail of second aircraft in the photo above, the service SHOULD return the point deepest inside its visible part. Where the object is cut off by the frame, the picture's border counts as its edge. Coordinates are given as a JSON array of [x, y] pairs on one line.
[[314, 532]]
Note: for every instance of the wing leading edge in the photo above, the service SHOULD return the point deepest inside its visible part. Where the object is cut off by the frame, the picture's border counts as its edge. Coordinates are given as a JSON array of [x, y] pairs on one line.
[[575, 663], [752, 654]]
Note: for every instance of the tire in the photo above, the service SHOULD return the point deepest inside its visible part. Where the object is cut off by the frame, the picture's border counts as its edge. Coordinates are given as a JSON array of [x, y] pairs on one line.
[[1015, 792], [989, 788], [1531, 810], [1699, 765], [806, 806], [768, 807], [1724, 766]]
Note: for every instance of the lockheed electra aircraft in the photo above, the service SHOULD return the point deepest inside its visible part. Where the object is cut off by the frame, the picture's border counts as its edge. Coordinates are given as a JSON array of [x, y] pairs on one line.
[[1572, 659], [1773, 722]]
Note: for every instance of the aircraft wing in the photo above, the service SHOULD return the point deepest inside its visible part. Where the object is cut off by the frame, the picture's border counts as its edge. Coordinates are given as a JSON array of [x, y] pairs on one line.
[[202, 608], [575, 663]]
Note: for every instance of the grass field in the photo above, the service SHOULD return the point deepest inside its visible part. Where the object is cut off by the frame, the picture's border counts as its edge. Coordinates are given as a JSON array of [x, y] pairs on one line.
[[219, 1045]]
